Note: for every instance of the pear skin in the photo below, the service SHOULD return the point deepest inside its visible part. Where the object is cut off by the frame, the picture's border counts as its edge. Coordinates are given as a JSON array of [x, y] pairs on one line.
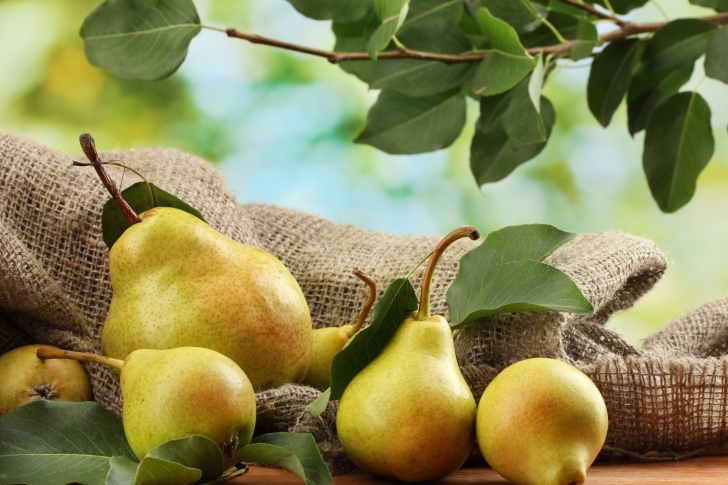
[[172, 394], [25, 378], [327, 342], [410, 414], [541, 422], [178, 282]]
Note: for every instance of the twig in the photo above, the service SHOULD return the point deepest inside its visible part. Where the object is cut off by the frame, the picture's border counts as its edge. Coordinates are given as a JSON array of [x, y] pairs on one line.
[[595, 12], [627, 29]]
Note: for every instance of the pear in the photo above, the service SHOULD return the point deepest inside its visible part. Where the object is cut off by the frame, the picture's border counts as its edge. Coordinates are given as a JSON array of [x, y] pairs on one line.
[[175, 393], [178, 282], [327, 342], [541, 422], [25, 378], [409, 414]]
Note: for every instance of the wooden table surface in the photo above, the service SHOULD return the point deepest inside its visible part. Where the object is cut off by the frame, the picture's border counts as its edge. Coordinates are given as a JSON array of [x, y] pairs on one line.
[[693, 471]]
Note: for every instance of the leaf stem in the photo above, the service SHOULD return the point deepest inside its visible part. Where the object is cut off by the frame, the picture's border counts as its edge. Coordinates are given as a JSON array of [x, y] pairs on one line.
[[627, 29], [466, 231], [125, 167], [662, 10], [368, 304], [88, 145], [45, 353]]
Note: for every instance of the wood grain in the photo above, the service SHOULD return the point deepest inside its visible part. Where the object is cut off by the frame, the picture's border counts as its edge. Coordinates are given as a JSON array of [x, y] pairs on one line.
[[702, 470]]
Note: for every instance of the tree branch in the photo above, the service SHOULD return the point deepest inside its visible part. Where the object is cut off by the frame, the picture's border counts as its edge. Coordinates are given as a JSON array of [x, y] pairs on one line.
[[626, 29]]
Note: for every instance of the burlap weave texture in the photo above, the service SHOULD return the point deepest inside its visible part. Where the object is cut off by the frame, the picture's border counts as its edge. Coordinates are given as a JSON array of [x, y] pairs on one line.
[[670, 393]]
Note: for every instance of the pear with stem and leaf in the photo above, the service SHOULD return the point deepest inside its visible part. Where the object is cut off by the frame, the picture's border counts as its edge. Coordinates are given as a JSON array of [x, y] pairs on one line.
[[175, 393], [329, 341], [409, 414], [178, 282]]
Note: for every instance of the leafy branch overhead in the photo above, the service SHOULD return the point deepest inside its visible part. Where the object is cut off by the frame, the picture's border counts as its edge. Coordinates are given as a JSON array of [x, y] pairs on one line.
[[428, 56]]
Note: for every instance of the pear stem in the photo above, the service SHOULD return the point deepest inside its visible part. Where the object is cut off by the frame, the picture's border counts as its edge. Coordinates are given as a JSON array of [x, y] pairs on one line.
[[88, 145], [368, 304], [466, 231], [80, 356]]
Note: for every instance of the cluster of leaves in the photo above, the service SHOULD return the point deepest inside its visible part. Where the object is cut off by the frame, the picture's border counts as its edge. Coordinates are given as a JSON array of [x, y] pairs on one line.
[[54, 443], [506, 273], [422, 103]]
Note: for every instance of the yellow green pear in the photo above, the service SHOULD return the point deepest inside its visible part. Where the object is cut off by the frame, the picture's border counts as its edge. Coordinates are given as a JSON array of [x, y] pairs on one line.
[[541, 422], [25, 378], [327, 342], [175, 393], [409, 414], [178, 282]]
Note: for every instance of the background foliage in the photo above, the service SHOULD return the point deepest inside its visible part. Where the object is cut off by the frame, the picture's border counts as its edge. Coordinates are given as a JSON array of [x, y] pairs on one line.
[[280, 126]]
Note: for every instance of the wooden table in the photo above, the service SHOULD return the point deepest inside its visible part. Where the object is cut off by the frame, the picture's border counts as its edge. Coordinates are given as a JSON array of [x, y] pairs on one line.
[[701, 470]]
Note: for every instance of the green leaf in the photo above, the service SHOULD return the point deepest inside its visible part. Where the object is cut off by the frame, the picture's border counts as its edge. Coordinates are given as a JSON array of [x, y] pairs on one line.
[[678, 43], [522, 15], [678, 145], [565, 8], [353, 37], [718, 5], [507, 64], [54, 443], [150, 471], [716, 56], [609, 78], [400, 124], [193, 452], [450, 10], [139, 198], [338, 10], [397, 303], [588, 39], [621, 6], [296, 452], [566, 25], [493, 154], [392, 13], [424, 78], [648, 89], [145, 40], [505, 274], [319, 404], [522, 120]]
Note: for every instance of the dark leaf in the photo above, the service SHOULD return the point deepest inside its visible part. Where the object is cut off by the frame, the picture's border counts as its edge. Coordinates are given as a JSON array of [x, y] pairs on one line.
[[296, 452], [650, 88], [718, 5], [567, 26], [54, 443], [522, 120], [588, 39], [424, 78], [397, 303], [609, 78], [678, 145], [150, 471], [392, 13], [493, 154], [338, 10], [505, 274], [522, 15], [353, 37], [141, 200], [400, 124], [140, 39], [621, 6], [716, 56], [450, 10], [678, 43]]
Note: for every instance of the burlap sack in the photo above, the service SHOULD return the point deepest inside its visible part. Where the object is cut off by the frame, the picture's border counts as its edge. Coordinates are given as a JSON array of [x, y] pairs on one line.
[[668, 394]]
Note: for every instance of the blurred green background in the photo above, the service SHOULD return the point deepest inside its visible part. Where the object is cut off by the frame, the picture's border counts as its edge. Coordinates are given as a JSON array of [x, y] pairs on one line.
[[279, 126]]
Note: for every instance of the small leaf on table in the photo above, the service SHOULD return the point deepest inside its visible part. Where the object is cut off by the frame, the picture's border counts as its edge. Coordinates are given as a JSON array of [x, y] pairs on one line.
[[55, 443], [397, 303], [140, 199], [505, 274], [140, 40], [678, 145], [296, 452], [150, 471]]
